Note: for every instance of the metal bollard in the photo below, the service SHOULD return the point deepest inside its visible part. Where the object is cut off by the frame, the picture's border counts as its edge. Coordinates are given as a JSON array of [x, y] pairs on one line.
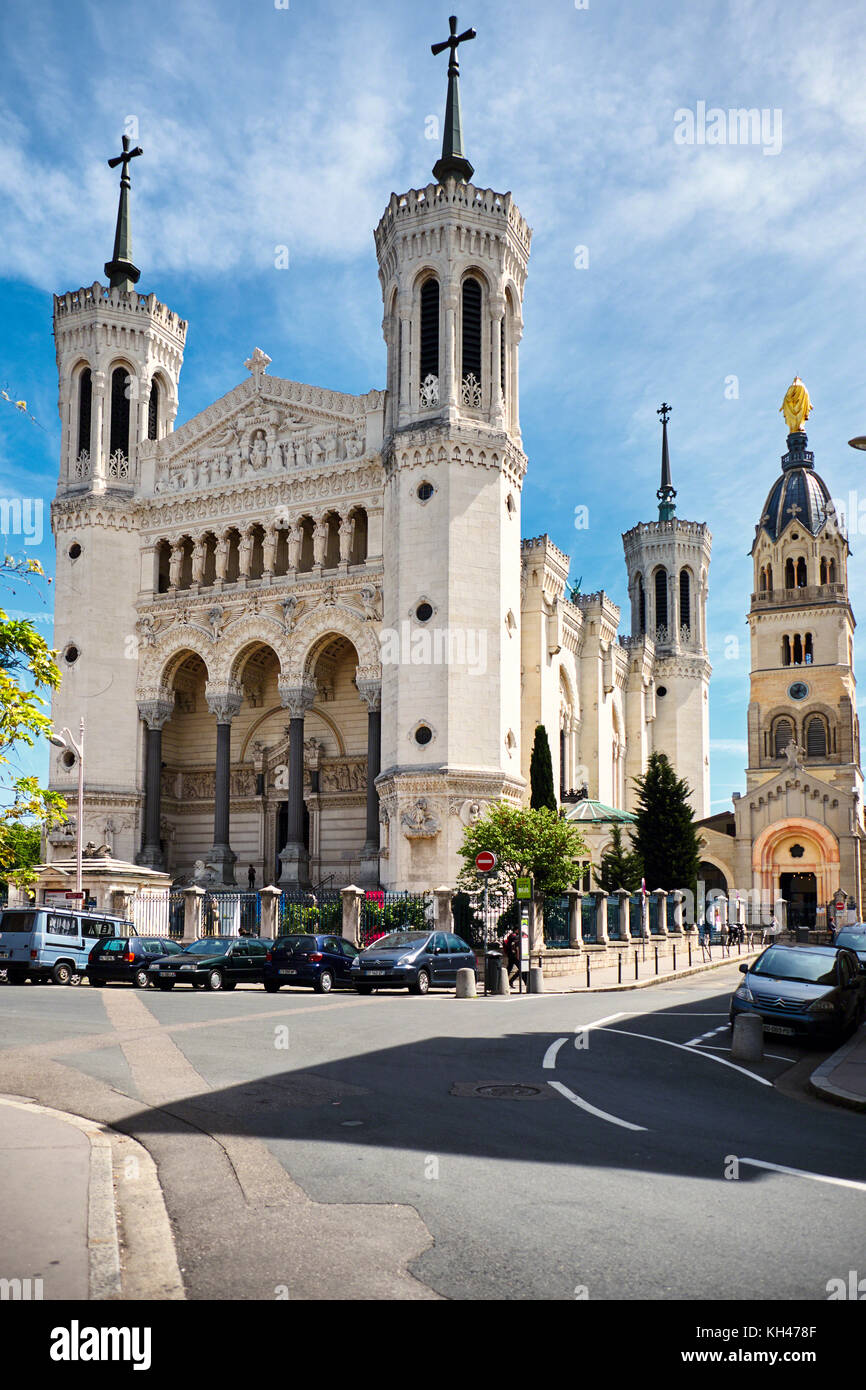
[[587, 972], [619, 968], [657, 960], [635, 965], [690, 950], [675, 957]]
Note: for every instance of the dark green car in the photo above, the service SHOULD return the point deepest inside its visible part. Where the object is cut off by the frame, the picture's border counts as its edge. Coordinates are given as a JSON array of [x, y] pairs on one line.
[[214, 962]]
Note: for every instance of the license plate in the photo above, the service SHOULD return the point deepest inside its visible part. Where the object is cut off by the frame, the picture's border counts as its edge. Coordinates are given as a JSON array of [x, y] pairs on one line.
[[777, 1028], [288, 972], [167, 974], [4, 953], [375, 972]]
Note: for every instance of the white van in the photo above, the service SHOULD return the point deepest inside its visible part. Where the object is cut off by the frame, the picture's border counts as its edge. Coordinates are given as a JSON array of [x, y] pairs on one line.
[[52, 943]]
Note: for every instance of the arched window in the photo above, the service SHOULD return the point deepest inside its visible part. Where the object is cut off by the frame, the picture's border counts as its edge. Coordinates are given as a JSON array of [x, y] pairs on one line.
[[786, 650], [769, 576], [831, 572], [85, 406], [762, 581], [661, 588], [823, 579], [816, 737], [429, 352], [153, 411], [798, 649], [789, 574], [685, 601], [807, 653], [471, 360], [801, 573], [119, 437], [783, 734], [641, 605]]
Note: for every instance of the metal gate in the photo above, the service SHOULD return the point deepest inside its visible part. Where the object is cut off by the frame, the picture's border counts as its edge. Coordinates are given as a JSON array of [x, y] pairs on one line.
[[382, 912], [231, 914], [299, 912]]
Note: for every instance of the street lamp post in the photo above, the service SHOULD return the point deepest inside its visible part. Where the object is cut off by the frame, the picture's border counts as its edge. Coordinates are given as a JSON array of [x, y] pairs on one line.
[[65, 740]]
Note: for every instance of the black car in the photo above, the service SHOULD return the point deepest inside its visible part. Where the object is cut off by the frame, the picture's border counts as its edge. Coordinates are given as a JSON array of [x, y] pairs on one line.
[[853, 939], [805, 991], [214, 962], [127, 958], [321, 961], [413, 960]]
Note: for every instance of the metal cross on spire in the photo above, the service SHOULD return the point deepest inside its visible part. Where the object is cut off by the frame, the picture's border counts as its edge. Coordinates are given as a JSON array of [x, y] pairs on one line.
[[122, 274], [453, 163], [667, 492]]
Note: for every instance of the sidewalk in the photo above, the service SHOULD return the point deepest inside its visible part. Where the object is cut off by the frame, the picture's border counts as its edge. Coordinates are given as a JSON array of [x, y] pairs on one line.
[[842, 1078], [606, 978]]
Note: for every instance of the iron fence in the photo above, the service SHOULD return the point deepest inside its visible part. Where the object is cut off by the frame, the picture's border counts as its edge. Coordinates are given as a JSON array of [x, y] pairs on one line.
[[555, 918], [299, 912], [483, 920], [588, 920], [231, 913], [151, 911], [635, 914], [615, 924], [383, 911]]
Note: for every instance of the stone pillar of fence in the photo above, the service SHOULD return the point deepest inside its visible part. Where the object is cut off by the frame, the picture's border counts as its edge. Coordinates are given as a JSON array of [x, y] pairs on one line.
[[624, 916], [575, 900], [679, 914], [16, 897], [601, 935], [193, 899], [352, 897], [270, 900], [442, 909], [661, 898], [121, 903]]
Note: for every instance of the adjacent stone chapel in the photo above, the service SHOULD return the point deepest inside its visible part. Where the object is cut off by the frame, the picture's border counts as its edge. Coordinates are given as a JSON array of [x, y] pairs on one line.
[[303, 627]]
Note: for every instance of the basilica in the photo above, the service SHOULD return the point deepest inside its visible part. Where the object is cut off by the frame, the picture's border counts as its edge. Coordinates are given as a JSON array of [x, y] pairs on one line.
[[305, 630]]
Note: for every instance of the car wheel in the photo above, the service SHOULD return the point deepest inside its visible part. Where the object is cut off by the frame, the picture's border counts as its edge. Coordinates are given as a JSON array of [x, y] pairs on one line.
[[166, 984], [422, 984], [325, 983], [271, 988], [62, 974], [140, 979], [364, 989], [214, 980]]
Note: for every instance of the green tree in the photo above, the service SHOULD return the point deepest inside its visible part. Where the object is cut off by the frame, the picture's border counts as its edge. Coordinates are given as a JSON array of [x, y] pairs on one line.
[[27, 667], [541, 773], [528, 842], [665, 837], [618, 867]]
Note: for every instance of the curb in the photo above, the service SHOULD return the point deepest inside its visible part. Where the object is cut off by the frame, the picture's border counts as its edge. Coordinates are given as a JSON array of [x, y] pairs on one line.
[[144, 1264], [820, 1085], [660, 979]]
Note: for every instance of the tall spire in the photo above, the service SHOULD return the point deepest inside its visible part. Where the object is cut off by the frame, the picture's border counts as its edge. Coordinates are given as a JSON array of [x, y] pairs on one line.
[[453, 163], [121, 272], [667, 492]]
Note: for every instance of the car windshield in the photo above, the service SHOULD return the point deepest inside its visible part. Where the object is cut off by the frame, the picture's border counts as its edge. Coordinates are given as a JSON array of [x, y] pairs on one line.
[[287, 944], [17, 921], [398, 938], [855, 939], [208, 946], [810, 967]]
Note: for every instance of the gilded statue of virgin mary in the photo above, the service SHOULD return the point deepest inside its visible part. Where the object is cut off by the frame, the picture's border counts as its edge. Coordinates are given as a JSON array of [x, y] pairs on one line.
[[796, 406]]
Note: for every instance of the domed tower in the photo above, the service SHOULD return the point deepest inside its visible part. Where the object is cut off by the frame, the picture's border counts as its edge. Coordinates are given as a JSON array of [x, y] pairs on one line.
[[668, 564], [802, 626], [119, 355], [452, 265]]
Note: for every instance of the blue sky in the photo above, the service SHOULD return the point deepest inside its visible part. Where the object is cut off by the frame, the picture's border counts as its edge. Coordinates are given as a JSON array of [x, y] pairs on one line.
[[266, 126]]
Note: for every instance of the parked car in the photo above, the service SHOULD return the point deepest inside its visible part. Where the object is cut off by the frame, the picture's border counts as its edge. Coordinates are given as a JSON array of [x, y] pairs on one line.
[[853, 939], [47, 943], [811, 991], [322, 961], [413, 960], [214, 962], [127, 958]]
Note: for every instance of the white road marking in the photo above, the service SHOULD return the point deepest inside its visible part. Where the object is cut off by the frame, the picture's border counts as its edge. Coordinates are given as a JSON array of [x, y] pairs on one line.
[[591, 1109], [775, 1056], [801, 1172], [550, 1055], [693, 1042], [549, 1062], [692, 1051]]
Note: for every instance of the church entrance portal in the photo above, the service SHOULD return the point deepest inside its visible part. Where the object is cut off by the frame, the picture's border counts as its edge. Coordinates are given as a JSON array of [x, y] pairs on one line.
[[282, 833], [800, 891]]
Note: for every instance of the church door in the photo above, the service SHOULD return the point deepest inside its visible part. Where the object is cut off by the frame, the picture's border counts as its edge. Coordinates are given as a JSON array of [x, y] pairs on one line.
[[800, 892]]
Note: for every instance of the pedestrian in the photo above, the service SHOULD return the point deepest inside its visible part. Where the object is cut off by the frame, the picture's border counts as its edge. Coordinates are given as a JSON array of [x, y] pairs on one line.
[[511, 945], [251, 877]]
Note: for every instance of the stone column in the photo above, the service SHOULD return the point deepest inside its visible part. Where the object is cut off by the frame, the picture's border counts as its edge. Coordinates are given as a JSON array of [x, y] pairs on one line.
[[154, 713], [575, 900], [371, 693], [225, 705], [601, 918], [442, 909], [97, 431], [449, 391], [624, 915], [407, 405], [294, 857], [352, 899], [192, 904], [497, 325], [270, 898], [661, 898]]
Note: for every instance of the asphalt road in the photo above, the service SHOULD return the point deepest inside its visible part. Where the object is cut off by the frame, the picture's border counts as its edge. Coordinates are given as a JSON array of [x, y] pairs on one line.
[[339, 1147]]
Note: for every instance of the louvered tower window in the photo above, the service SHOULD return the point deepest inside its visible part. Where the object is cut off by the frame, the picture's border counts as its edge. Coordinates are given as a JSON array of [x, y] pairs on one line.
[[429, 353], [85, 405], [816, 737], [784, 734], [153, 411], [119, 441], [661, 582], [685, 601], [471, 360]]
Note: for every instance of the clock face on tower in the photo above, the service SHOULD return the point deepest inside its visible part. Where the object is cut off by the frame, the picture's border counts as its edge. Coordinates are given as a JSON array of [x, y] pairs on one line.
[[798, 691]]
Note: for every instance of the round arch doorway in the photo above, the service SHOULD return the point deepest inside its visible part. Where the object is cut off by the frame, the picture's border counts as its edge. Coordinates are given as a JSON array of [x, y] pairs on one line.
[[800, 891]]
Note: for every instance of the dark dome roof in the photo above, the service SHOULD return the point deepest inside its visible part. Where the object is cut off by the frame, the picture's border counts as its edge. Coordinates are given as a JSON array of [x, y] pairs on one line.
[[800, 494]]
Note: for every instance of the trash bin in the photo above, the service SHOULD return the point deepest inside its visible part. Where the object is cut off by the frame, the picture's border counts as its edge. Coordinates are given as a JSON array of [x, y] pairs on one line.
[[803, 936], [492, 967]]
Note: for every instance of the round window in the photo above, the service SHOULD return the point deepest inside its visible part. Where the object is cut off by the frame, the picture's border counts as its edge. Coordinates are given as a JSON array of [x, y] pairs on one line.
[[423, 735], [662, 690], [71, 655], [798, 691], [74, 550], [424, 492], [68, 758], [424, 612]]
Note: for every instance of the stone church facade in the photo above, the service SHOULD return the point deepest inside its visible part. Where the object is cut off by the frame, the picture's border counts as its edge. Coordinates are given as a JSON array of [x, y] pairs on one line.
[[303, 627]]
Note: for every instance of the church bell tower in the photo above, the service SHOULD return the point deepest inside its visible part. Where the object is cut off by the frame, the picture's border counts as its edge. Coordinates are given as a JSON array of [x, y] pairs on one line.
[[452, 265]]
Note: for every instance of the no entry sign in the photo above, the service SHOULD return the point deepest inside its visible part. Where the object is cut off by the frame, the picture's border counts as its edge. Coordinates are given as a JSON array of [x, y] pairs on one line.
[[485, 862]]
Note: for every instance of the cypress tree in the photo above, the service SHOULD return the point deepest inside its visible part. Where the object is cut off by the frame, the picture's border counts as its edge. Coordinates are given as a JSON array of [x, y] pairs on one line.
[[541, 773], [618, 867], [665, 837]]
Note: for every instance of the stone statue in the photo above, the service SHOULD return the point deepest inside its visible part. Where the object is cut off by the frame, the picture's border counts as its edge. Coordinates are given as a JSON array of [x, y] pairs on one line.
[[796, 407], [259, 451], [418, 822], [795, 755], [370, 601]]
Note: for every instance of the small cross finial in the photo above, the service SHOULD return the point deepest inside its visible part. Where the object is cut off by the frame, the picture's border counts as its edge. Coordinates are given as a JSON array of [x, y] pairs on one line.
[[125, 157], [453, 163], [664, 411], [453, 41]]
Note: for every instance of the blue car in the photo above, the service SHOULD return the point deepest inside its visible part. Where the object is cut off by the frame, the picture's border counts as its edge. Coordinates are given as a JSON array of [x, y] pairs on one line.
[[413, 960], [803, 991], [853, 939], [320, 961]]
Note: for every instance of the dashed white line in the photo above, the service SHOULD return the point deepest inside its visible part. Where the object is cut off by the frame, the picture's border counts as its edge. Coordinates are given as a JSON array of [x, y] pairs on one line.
[[693, 1052], [693, 1042], [591, 1109], [801, 1172]]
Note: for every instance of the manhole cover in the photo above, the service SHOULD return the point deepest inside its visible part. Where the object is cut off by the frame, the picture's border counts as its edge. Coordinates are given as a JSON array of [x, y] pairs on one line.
[[509, 1092], [501, 1090]]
